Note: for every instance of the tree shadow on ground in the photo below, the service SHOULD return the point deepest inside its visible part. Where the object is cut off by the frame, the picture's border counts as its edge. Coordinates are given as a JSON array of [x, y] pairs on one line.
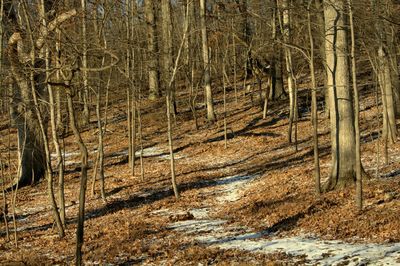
[[252, 125]]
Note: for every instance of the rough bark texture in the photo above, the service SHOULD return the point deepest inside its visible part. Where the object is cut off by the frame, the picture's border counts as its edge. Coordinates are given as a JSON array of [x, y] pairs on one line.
[[31, 147], [341, 104]]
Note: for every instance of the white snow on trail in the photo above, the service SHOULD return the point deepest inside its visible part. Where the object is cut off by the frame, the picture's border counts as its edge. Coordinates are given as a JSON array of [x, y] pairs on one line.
[[218, 233]]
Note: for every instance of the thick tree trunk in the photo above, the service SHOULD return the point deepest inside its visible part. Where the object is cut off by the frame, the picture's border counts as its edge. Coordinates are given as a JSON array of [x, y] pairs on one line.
[[31, 147], [341, 102]]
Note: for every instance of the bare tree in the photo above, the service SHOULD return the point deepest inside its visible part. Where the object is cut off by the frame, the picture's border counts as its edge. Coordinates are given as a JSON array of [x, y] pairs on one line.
[[314, 111], [340, 101], [356, 110], [206, 60], [86, 111], [152, 49]]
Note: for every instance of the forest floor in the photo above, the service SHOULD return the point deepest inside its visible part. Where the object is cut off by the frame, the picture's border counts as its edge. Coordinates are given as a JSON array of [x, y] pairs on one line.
[[252, 202]]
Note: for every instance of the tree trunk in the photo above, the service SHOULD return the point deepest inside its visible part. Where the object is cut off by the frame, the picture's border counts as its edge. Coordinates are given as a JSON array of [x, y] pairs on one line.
[[31, 148], [277, 90], [152, 49], [166, 28], [83, 180], [385, 81], [341, 103], [320, 37], [206, 60], [171, 148], [86, 110], [359, 198], [289, 69], [314, 111]]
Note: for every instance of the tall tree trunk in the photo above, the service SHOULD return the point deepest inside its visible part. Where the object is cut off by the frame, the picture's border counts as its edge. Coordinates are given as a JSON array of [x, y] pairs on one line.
[[289, 69], [359, 198], [128, 88], [207, 67], [24, 118], [56, 143], [277, 90], [58, 107], [320, 37], [314, 111], [152, 49], [341, 103], [166, 28], [384, 74]]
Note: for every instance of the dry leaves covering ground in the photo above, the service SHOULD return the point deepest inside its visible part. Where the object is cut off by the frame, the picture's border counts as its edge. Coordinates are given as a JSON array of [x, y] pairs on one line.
[[280, 200]]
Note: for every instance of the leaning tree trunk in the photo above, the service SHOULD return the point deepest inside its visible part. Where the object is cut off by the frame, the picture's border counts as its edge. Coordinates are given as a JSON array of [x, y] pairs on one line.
[[341, 104]]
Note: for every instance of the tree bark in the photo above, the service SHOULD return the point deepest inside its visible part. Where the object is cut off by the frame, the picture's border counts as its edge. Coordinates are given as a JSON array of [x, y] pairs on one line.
[[341, 103], [277, 90], [206, 60], [314, 111], [152, 49], [359, 199], [86, 110], [166, 28]]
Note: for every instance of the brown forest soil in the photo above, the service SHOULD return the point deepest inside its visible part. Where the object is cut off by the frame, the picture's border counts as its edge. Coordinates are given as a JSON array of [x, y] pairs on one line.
[[281, 199]]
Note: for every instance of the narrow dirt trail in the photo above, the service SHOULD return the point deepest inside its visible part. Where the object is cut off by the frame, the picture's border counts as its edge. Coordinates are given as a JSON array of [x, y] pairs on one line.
[[204, 226]]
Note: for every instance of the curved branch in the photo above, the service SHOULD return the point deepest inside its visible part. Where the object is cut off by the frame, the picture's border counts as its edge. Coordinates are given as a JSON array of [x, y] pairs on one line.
[[44, 31], [298, 48]]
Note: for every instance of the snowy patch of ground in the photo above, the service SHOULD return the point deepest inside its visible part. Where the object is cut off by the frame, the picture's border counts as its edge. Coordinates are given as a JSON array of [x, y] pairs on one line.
[[218, 233], [233, 186], [163, 154], [316, 250], [149, 152]]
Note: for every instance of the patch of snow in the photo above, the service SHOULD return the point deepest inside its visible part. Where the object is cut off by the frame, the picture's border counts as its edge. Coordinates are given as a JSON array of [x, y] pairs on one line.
[[233, 187], [317, 251], [198, 226], [200, 213], [66, 155], [217, 233], [148, 152]]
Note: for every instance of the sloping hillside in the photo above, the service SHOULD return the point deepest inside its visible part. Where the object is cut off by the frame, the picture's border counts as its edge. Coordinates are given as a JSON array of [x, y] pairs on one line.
[[249, 203]]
